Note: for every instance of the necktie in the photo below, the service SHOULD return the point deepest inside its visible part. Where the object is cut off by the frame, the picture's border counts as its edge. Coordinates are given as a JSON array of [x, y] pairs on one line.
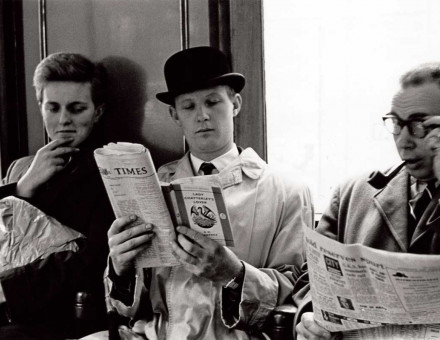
[[423, 201], [420, 206], [207, 168]]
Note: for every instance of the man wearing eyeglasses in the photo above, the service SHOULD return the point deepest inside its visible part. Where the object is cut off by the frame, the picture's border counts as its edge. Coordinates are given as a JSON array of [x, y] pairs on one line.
[[401, 213]]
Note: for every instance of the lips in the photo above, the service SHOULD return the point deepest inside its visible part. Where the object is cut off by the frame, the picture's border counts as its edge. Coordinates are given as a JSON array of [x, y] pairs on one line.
[[413, 162], [66, 133], [204, 130]]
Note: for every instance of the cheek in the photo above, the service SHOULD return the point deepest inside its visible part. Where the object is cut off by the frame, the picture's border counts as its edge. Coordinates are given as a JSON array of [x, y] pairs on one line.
[[187, 126], [228, 124], [85, 128], [85, 121], [424, 146], [50, 122]]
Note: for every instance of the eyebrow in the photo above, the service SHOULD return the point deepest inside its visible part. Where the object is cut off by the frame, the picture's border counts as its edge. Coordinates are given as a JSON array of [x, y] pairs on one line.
[[68, 104], [416, 115], [186, 100], [207, 96], [77, 103]]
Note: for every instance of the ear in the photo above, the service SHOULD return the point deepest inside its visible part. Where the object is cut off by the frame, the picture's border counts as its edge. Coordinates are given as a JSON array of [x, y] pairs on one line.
[[174, 116], [236, 102], [98, 113]]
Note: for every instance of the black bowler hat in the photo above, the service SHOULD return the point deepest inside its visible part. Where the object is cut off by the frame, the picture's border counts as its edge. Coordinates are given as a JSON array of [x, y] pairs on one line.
[[198, 68]]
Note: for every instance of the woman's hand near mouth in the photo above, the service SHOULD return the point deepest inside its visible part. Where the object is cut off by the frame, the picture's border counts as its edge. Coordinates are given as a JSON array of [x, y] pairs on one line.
[[48, 161]]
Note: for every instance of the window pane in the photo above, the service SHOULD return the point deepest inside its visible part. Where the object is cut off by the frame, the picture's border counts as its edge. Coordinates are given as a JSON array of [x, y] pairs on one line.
[[332, 67]]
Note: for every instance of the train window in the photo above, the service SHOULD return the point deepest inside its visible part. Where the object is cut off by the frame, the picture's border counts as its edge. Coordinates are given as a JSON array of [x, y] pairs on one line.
[[331, 70]]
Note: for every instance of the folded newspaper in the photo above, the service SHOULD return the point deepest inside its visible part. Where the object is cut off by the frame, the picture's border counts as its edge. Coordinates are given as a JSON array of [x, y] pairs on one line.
[[354, 287], [27, 234], [133, 187]]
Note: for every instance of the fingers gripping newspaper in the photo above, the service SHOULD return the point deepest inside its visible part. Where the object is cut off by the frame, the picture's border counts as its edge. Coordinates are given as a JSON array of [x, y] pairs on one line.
[[373, 294], [133, 188]]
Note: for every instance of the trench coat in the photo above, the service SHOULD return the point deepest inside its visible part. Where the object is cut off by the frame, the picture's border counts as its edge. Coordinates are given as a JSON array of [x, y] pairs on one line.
[[267, 215]]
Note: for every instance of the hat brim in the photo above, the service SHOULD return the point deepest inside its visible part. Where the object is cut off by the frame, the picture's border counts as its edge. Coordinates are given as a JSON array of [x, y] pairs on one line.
[[235, 80]]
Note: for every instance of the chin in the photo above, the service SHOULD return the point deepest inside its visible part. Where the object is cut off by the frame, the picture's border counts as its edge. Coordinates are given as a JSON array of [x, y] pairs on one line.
[[421, 175]]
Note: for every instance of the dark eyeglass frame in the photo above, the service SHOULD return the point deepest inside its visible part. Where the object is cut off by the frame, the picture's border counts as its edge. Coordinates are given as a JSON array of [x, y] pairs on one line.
[[415, 125]]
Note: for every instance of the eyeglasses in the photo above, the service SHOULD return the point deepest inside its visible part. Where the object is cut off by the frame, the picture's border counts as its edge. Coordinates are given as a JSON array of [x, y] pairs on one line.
[[415, 126]]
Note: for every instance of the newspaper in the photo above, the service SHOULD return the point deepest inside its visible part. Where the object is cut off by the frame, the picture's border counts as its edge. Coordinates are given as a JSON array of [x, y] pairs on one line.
[[133, 187], [354, 287], [395, 332]]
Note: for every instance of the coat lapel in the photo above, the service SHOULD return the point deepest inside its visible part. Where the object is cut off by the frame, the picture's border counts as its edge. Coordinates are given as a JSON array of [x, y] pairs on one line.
[[431, 215], [227, 178], [392, 203], [183, 168]]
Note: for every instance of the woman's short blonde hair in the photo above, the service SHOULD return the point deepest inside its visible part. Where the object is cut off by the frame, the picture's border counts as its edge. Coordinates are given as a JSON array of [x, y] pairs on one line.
[[70, 67]]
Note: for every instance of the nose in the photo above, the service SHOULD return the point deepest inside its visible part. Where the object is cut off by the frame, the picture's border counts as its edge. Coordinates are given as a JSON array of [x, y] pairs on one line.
[[202, 114], [65, 117], [404, 140]]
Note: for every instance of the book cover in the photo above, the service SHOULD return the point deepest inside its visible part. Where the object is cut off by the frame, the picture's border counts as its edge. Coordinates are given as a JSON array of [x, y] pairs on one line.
[[200, 207]]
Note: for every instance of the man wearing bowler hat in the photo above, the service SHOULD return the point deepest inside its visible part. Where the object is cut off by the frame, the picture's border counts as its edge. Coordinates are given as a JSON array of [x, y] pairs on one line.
[[217, 292]]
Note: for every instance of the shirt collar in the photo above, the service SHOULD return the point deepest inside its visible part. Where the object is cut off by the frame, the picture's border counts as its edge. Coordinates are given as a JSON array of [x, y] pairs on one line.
[[416, 191], [220, 162], [417, 186]]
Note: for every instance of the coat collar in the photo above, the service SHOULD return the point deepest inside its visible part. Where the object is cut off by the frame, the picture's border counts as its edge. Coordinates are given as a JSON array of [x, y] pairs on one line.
[[392, 203], [247, 162], [183, 168]]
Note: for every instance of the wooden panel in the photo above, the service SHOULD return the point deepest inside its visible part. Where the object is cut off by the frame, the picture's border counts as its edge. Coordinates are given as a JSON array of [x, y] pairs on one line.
[[198, 23], [133, 38], [35, 127], [247, 58], [13, 141]]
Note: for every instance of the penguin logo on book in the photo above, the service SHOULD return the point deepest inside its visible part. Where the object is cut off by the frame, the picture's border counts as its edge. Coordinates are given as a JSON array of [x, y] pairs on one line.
[[203, 216]]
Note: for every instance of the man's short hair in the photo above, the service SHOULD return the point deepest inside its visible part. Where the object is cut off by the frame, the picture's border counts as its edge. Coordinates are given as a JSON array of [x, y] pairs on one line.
[[423, 74], [230, 91], [70, 67]]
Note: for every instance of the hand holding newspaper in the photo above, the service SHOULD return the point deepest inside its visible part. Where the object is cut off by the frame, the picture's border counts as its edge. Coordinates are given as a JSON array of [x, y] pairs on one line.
[[355, 287], [133, 187]]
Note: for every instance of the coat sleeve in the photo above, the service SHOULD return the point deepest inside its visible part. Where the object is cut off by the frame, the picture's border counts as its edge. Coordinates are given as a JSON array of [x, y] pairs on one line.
[[47, 286], [16, 170], [28, 289], [132, 300], [267, 287]]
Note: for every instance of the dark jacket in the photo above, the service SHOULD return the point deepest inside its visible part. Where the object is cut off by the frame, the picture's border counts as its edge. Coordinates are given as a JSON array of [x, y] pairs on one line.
[[43, 292]]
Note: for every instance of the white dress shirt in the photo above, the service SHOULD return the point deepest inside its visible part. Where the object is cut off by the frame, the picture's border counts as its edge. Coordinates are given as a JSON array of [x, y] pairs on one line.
[[220, 162]]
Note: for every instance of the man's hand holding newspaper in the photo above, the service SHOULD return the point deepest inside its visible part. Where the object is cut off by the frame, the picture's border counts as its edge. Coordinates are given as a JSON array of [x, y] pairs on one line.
[[373, 294], [128, 239], [134, 190]]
